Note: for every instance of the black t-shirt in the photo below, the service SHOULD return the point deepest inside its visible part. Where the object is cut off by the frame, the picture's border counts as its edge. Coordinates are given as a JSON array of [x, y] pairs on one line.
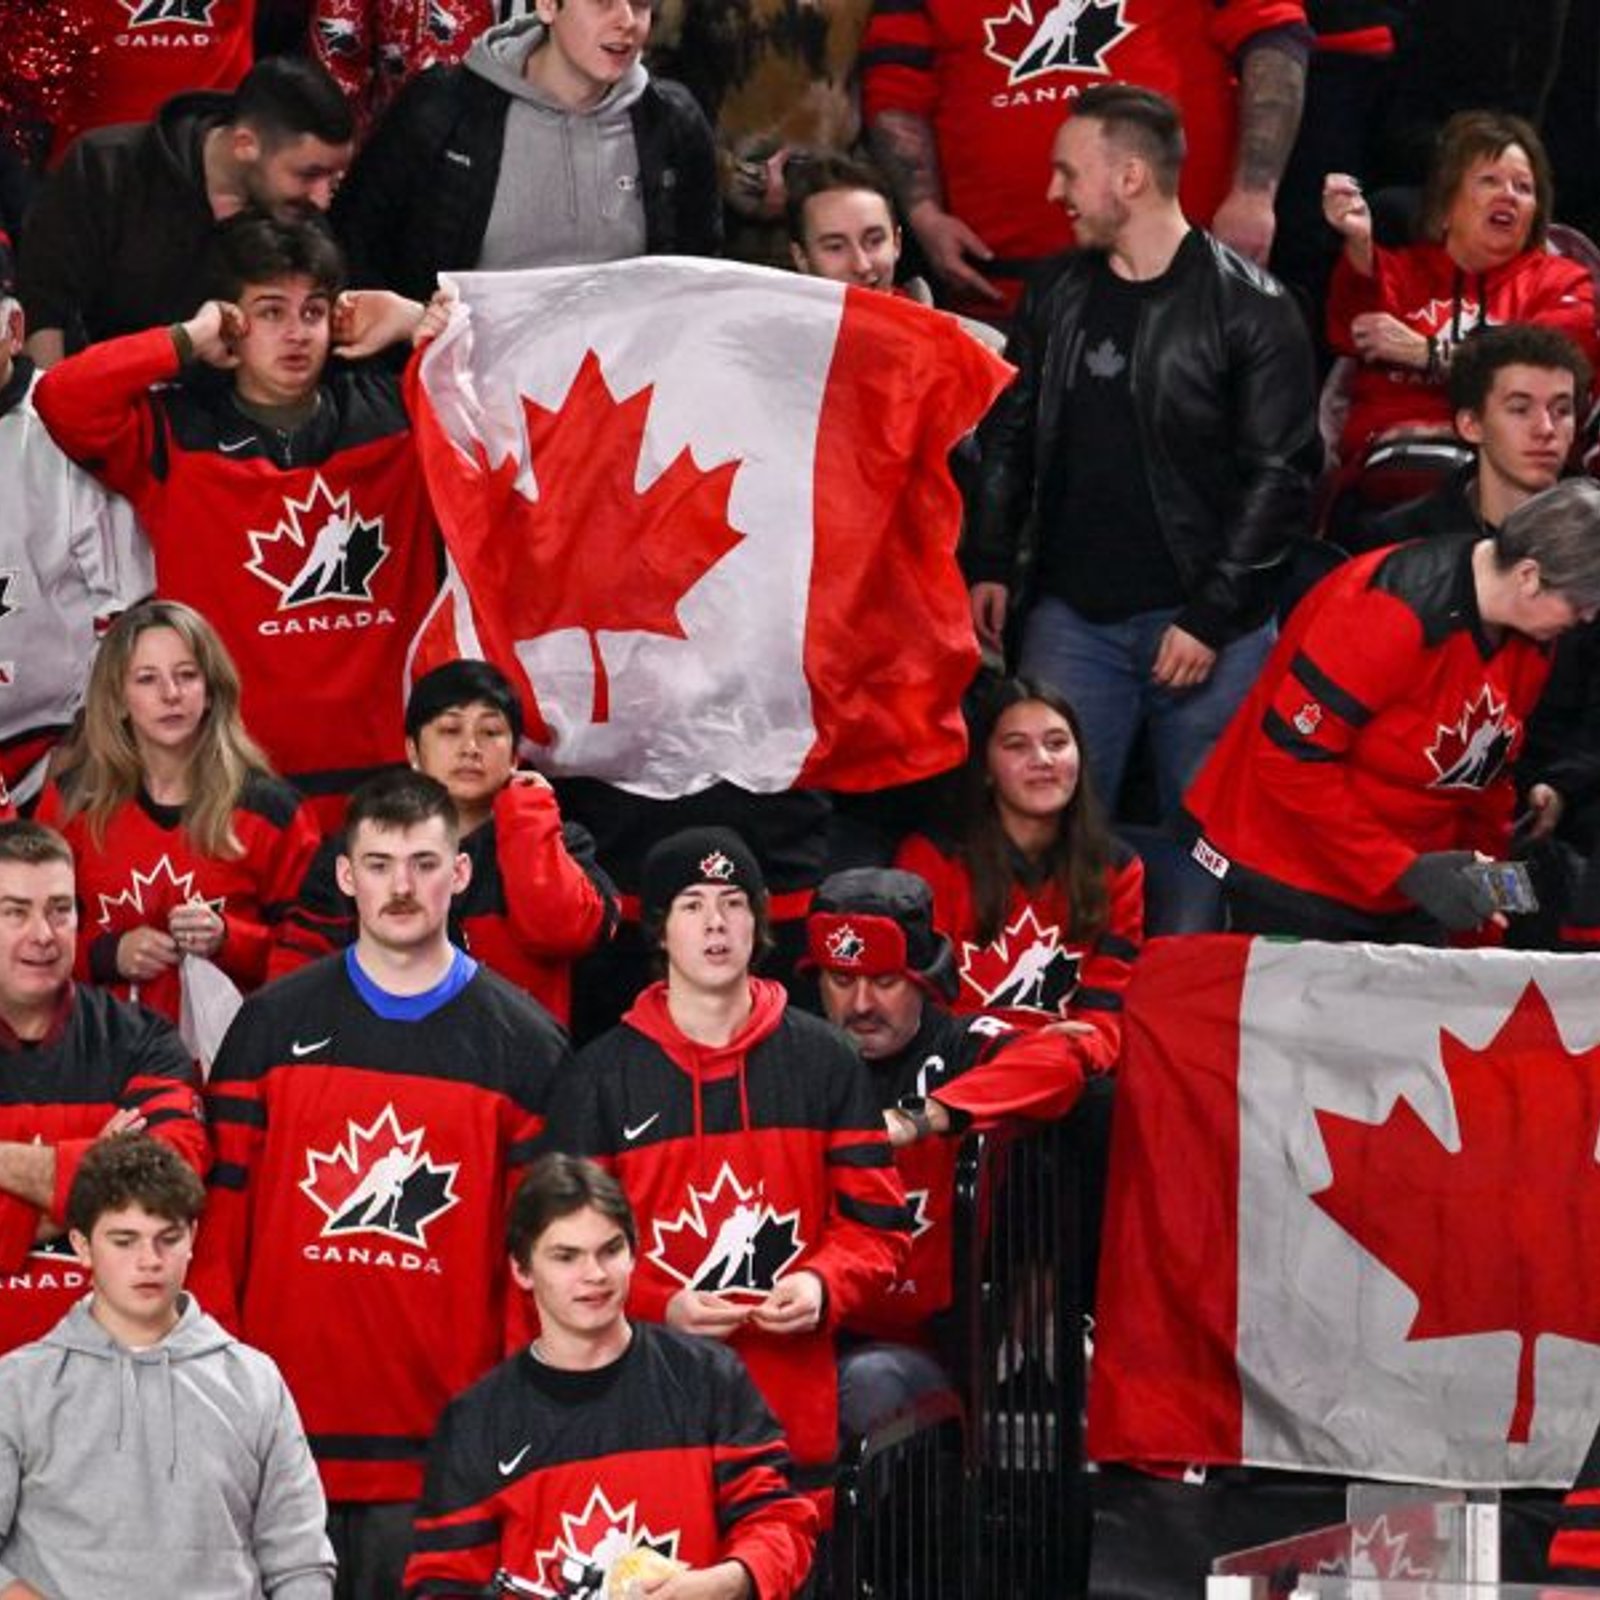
[[1102, 549]]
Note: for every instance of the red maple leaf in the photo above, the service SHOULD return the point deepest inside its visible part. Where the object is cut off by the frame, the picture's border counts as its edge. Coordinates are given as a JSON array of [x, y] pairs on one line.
[[592, 551], [1499, 1235]]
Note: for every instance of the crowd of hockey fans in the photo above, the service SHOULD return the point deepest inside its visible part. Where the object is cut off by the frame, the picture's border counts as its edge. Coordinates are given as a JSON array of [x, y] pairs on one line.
[[578, 1167]]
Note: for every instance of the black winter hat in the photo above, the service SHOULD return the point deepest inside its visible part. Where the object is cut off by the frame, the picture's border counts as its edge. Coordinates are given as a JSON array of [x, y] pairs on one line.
[[697, 855]]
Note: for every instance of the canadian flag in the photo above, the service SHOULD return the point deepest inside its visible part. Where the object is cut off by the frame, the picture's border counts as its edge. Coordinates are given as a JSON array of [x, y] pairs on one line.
[[703, 513], [1354, 1213]]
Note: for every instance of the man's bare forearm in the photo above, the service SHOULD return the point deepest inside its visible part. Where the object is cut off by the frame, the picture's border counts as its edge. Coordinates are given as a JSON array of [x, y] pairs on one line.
[[1272, 92], [28, 1171], [906, 149]]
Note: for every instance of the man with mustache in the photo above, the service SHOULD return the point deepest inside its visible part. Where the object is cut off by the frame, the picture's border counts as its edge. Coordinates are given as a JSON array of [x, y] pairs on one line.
[[379, 1106]]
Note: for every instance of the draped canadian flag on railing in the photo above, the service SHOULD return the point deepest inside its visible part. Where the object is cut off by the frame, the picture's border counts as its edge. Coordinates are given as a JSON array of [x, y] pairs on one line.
[[1354, 1213], [702, 513]]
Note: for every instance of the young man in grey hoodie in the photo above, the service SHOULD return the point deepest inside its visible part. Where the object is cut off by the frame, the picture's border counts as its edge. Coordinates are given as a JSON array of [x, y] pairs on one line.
[[143, 1450], [550, 145]]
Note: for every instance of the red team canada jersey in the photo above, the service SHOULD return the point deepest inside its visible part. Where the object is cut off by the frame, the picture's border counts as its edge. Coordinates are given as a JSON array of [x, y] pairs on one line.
[[147, 51], [1037, 970], [1383, 726], [99, 1056], [313, 554], [146, 866], [996, 77], [1431, 295], [552, 1475], [744, 1163], [356, 1220]]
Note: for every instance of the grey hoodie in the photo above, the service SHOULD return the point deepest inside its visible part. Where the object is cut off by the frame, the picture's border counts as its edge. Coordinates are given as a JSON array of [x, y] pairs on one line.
[[179, 1470], [569, 187]]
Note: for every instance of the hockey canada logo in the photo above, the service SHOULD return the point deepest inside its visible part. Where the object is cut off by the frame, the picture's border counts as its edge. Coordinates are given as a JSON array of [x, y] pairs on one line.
[[845, 945], [578, 1564], [321, 550], [153, 893], [1024, 969], [1469, 753], [380, 1180], [716, 868], [729, 1240], [1308, 719], [147, 13], [1035, 37]]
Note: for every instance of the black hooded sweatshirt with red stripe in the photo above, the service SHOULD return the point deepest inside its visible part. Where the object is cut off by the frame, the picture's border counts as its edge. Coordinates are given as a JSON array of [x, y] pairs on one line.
[[745, 1162]]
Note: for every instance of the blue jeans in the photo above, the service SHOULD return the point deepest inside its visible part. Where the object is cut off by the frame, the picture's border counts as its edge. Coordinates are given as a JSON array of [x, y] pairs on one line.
[[1103, 669]]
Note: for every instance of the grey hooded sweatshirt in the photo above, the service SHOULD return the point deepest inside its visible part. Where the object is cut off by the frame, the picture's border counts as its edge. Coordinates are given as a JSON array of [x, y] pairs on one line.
[[179, 1470], [569, 187]]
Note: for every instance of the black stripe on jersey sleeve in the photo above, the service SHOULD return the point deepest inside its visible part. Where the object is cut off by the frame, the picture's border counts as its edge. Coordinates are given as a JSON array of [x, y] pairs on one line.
[[1118, 949], [892, 1219], [452, 1536], [154, 1119], [228, 1175], [877, 1153], [234, 1108], [366, 1447], [1097, 1000], [774, 1456], [1338, 700], [1287, 740], [898, 55]]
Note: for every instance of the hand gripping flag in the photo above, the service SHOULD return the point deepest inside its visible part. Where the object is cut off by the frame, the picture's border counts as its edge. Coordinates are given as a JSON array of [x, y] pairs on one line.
[[1354, 1213], [702, 514]]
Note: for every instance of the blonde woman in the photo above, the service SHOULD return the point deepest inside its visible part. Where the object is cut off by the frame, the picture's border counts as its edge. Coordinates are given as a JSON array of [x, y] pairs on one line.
[[186, 843]]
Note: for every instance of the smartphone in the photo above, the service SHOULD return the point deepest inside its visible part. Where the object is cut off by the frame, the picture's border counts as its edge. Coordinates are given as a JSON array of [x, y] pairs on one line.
[[1508, 883]]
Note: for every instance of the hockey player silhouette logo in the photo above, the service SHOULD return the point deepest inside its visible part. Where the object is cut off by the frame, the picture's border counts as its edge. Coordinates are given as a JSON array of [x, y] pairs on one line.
[[1035, 37], [1025, 969], [729, 1240], [192, 13], [716, 868], [8, 589], [578, 1565], [1469, 753], [321, 550], [845, 945], [380, 1180]]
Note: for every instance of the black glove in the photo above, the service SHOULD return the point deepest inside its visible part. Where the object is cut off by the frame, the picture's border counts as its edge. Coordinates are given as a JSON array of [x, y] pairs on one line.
[[1440, 883]]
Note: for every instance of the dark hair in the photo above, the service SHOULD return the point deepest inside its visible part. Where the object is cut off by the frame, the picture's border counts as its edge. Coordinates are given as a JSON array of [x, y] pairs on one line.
[[824, 173], [132, 1169], [1076, 859], [282, 98], [1515, 344], [252, 248], [1560, 529], [462, 683], [1142, 122], [557, 1185], [399, 799], [1471, 136], [32, 844]]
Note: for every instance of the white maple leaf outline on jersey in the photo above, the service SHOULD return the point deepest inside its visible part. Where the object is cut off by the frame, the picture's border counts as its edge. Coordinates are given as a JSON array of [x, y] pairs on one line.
[[693, 1218], [618, 1521], [337, 521], [133, 896], [355, 1149]]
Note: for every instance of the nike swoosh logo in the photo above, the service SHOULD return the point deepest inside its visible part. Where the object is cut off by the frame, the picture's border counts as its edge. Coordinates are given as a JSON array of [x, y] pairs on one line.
[[630, 1134], [508, 1467], [229, 446], [298, 1049]]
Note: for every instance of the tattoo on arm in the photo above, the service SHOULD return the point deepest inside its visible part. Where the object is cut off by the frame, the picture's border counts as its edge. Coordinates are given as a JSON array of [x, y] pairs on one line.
[[904, 145], [1272, 91]]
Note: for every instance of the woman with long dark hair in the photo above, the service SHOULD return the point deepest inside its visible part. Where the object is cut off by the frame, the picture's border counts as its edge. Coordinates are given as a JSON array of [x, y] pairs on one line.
[[186, 844], [1044, 905]]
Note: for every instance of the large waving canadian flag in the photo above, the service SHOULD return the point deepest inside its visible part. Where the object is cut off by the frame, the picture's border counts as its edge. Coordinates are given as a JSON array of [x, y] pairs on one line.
[[1354, 1213], [702, 513]]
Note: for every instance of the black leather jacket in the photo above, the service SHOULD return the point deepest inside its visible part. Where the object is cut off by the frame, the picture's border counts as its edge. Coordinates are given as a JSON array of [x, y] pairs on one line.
[[1225, 390]]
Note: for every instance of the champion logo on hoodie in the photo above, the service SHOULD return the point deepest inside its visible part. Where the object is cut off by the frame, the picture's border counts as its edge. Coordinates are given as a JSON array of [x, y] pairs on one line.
[[729, 1239]]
